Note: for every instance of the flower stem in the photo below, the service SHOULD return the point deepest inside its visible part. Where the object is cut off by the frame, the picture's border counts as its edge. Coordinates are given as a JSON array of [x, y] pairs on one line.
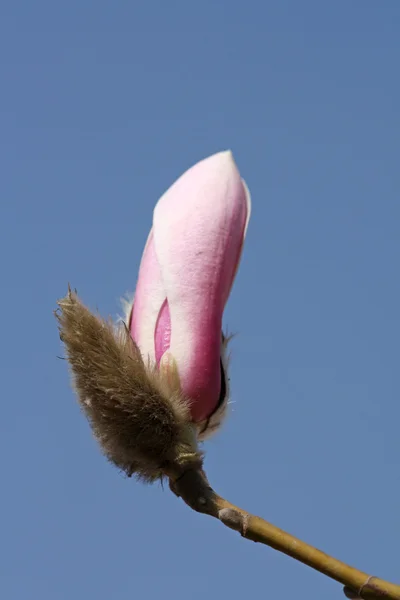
[[195, 490]]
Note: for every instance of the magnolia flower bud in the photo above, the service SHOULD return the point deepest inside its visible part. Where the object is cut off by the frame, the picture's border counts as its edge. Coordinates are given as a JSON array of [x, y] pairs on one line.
[[186, 274], [154, 386]]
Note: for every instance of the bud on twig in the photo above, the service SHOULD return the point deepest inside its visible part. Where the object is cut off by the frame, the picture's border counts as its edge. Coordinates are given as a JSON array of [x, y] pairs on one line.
[[151, 388]]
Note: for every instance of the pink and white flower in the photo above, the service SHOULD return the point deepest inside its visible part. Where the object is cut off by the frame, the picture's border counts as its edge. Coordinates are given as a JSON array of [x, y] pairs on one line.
[[186, 274]]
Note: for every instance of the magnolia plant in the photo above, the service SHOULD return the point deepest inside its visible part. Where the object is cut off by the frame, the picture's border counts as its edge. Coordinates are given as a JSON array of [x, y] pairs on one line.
[[155, 385]]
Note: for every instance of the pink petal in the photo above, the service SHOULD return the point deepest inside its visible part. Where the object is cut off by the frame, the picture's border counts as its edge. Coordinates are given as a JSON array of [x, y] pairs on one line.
[[149, 299], [199, 227]]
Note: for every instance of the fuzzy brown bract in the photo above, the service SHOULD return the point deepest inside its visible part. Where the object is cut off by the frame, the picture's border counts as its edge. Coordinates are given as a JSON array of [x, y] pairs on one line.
[[140, 421]]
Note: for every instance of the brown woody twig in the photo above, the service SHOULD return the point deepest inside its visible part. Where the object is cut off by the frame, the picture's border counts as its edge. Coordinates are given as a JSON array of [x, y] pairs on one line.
[[192, 486]]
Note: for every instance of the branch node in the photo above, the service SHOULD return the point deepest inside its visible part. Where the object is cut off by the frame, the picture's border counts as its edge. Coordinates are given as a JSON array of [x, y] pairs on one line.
[[234, 520]]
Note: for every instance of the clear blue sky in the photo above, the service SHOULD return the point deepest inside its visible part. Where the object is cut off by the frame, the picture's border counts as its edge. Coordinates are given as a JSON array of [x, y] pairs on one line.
[[102, 106]]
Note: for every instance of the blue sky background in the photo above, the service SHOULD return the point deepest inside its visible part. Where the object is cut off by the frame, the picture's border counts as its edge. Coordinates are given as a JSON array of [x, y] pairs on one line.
[[102, 106]]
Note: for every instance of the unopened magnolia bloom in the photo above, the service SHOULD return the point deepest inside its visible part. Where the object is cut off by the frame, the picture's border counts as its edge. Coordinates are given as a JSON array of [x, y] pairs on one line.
[[186, 274], [151, 389]]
